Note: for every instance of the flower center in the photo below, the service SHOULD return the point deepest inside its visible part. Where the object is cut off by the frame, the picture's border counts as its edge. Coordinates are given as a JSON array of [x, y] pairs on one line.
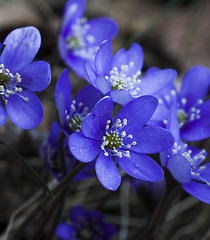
[[182, 116], [114, 140], [8, 84], [121, 79], [76, 116]]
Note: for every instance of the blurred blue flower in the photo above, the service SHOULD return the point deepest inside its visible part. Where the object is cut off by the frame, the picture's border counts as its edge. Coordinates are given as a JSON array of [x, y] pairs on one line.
[[85, 225], [19, 76], [124, 140], [193, 112], [80, 38], [120, 75], [57, 157]]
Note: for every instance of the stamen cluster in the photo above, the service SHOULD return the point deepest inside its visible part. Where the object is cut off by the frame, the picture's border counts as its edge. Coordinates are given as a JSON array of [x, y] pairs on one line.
[[8, 84], [113, 140], [120, 79]]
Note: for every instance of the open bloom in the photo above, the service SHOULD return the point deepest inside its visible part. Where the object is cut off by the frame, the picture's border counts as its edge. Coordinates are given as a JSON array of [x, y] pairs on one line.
[[85, 225], [120, 75], [193, 112], [19, 76], [72, 112], [123, 139], [184, 162], [80, 38]]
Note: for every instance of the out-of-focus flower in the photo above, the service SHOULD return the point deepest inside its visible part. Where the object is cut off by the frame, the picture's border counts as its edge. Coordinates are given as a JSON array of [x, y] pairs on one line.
[[85, 225], [57, 157], [123, 139], [80, 38], [120, 75], [19, 76], [193, 112]]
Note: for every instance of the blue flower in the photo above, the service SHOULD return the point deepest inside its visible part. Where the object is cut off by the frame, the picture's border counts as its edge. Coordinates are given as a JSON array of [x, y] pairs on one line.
[[184, 162], [52, 151], [72, 112], [80, 38], [19, 76], [124, 140], [85, 225], [193, 112], [120, 75]]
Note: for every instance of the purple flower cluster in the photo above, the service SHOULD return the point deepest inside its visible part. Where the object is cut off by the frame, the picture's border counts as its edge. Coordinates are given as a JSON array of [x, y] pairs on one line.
[[85, 225]]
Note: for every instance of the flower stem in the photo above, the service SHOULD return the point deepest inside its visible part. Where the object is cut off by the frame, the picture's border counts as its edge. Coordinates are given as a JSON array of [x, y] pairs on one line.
[[44, 201]]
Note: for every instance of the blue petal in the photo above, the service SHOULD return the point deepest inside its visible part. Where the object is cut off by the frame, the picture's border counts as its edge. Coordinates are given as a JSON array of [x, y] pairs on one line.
[[94, 125], [78, 215], [141, 166], [155, 80], [196, 131], [195, 85], [84, 149], [137, 112], [102, 29], [152, 140], [161, 113], [89, 74], [205, 174], [123, 57], [35, 76], [121, 97], [22, 45], [89, 96], [73, 10], [103, 58], [103, 85], [3, 115], [180, 168], [65, 231], [25, 115], [53, 138], [107, 172], [198, 190], [63, 87]]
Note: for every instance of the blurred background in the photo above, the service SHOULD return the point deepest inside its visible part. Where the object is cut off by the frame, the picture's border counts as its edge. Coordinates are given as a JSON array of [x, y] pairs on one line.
[[173, 34]]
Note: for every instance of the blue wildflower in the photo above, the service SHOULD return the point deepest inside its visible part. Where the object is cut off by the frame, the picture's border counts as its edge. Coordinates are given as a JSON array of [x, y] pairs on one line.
[[193, 112], [124, 140], [184, 162], [57, 157], [85, 225], [19, 76], [72, 112], [120, 75], [80, 38]]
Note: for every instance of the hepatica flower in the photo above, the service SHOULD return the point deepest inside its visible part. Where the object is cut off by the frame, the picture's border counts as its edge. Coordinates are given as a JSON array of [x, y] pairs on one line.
[[123, 141], [184, 162], [72, 112], [120, 75], [85, 226], [80, 38], [193, 112], [19, 76]]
